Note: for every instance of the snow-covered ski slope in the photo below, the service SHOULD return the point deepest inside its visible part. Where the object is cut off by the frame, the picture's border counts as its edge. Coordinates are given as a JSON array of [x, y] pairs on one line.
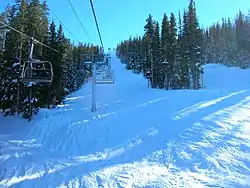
[[139, 137]]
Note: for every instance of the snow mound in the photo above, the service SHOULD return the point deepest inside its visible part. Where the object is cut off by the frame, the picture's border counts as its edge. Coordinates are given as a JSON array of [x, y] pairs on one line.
[[221, 77]]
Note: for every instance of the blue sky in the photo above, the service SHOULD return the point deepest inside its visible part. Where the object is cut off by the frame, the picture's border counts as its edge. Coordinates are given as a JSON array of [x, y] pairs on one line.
[[118, 19]]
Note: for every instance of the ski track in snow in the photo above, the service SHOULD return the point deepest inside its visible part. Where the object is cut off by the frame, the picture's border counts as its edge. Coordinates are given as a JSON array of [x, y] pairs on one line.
[[138, 137]]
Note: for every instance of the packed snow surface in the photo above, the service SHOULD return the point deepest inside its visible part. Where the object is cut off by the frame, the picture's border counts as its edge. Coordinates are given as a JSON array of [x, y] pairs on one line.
[[139, 137]]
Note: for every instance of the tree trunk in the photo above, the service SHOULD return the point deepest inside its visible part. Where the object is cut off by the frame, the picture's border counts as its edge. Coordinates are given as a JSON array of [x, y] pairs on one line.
[[166, 81]]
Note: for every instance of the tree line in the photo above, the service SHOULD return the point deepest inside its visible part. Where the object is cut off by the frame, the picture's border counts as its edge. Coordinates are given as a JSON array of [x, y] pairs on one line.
[[171, 55], [32, 18], [228, 42]]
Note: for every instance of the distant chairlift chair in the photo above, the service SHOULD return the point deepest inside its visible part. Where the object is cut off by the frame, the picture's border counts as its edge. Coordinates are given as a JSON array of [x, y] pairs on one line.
[[108, 77]]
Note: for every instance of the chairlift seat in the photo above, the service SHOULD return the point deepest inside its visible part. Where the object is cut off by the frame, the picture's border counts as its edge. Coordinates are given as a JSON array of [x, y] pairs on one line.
[[107, 78], [105, 81], [37, 71]]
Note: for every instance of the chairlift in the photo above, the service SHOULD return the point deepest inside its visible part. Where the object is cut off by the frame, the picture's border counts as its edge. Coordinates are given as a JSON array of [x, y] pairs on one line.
[[107, 78], [37, 71]]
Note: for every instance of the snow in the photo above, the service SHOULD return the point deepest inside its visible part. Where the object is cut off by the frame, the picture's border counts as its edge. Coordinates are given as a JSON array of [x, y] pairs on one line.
[[15, 64], [31, 83], [165, 62], [66, 90], [139, 137]]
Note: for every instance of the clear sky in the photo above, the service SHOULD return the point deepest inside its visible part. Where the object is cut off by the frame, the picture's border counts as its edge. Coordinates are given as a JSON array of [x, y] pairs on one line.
[[118, 19]]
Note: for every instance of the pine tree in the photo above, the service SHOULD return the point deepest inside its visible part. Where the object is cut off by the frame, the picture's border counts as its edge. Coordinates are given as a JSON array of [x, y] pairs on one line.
[[2, 48], [194, 35], [182, 70], [174, 77], [247, 31], [59, 64], [11, 68], [231, 43], [156, 55], [165, 48], [240, 34], [148, 37]]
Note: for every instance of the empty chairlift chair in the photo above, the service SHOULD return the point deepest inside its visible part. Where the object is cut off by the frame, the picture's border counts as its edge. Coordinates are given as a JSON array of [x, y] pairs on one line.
[[37, 71], [108, 77]]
